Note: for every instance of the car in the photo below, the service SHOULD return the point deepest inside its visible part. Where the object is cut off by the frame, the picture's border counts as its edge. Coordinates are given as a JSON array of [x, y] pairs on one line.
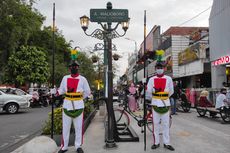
[[12, 103], [17, 91]]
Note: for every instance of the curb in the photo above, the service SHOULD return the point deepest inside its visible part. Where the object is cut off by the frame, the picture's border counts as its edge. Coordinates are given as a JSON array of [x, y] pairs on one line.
[[20, 143], [17, 147]]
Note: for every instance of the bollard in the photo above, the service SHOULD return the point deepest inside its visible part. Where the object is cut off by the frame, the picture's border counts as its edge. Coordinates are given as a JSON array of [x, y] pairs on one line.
[[40, 144]]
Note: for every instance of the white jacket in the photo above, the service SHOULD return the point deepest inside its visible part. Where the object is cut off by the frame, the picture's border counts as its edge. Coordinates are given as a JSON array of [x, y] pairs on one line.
[[75, 84], [165, 83]]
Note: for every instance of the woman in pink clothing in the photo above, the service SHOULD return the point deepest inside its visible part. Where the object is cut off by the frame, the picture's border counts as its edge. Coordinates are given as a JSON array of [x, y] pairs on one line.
[[192, 96], [131, 98]]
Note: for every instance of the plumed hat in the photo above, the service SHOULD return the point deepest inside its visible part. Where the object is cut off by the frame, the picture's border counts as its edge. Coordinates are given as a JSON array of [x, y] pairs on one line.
[[159, 56], [74, 55]]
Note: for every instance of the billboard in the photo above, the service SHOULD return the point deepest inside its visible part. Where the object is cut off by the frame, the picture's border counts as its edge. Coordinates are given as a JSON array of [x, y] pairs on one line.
[[190, 54], [152, 41]]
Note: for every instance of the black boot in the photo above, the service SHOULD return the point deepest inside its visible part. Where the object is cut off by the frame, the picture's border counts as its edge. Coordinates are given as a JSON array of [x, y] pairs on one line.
[[169, 147], [155, 146], [79, 150], [62, 151]]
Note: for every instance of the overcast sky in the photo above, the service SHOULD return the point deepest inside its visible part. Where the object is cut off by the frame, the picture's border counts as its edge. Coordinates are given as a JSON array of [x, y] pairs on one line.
[[165, 13]]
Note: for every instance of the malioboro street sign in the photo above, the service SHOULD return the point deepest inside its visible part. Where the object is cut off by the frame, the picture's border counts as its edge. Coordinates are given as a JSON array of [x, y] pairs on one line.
[[105, 15]]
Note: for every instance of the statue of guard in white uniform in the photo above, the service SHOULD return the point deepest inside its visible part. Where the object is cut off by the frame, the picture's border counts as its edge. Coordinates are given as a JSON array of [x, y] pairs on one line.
[[159, 89]]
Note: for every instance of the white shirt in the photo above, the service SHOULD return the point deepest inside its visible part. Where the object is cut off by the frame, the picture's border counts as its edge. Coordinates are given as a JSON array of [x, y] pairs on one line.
[[220, 100], [82, 86]]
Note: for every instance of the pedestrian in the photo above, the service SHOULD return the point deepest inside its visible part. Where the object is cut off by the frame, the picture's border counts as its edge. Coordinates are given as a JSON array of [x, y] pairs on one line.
[[226, 86], [221, 99], [160, 88], [75, 88], [174, 98], [203, 100], [132, 98], [192, 97], [140, 94]]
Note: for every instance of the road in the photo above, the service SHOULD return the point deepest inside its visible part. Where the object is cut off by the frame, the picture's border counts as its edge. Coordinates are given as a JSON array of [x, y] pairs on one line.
[[193, 134], [20, 127]]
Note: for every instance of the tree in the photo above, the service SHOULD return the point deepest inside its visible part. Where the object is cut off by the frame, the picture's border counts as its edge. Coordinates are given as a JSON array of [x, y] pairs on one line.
[[43, 39], [28, 64], [18, 22], [21, 25], [86, 67]]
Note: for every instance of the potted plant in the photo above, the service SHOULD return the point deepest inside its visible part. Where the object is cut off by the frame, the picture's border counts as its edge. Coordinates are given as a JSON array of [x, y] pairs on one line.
[[89, 113], [94, 58], [116, 57]]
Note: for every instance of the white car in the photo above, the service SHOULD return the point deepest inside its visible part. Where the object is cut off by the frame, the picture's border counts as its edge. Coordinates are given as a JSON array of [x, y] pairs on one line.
[[12, 103], [17, 91]]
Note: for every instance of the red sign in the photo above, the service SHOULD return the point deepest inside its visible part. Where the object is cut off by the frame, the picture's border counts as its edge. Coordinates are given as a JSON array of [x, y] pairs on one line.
[[222, 60]]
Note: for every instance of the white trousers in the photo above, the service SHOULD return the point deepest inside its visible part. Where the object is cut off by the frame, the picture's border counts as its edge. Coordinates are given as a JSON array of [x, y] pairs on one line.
[[66, 125], [160, 121]]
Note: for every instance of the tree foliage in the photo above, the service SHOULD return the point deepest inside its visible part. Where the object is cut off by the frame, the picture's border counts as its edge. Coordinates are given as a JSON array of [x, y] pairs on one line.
[[86, 67], [26, 48], [28, 65], [18, 23]]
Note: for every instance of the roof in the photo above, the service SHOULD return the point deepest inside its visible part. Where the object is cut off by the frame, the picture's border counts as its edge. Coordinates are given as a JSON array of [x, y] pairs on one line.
[[182, 30]]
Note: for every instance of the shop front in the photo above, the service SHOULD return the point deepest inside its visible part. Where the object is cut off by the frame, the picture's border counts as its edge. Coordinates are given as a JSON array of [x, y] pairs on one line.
[[221, 71], [194, 68]]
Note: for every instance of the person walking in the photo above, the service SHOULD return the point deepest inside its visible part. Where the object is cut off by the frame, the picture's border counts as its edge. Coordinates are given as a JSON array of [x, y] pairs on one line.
[[132, 97], [221, 99], [174, 97], [160, 88], [192, 97], [75, 88], [140, 94]]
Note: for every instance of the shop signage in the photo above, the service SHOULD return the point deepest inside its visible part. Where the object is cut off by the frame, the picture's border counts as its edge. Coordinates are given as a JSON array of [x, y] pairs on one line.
[[221, 61]]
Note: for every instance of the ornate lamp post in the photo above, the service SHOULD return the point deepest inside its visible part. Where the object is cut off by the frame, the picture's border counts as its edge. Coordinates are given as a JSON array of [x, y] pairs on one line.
[[105, 17]]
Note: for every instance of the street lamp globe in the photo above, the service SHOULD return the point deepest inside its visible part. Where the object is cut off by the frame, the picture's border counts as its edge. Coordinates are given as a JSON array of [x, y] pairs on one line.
[[84, 20], [125, 25]]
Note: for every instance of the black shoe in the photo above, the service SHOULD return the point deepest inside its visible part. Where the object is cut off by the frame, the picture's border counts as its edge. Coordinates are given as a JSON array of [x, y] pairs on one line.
[[155, 146], [169, 147], [79, 150], [62, 151]]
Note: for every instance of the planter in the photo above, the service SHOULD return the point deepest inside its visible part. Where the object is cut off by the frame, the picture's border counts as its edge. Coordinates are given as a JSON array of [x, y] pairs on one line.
[[95, 59], [87, 121], [116, 57]]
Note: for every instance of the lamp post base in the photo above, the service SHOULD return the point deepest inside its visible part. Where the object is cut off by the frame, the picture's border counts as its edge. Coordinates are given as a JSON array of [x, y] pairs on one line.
[[110, 144]]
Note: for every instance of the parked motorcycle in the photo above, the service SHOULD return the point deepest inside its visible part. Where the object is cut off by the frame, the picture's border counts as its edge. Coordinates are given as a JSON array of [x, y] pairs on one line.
[[40, 98], [183, 103]]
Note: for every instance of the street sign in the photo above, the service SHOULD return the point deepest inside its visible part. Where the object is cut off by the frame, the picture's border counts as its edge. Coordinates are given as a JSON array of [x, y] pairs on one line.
[[105, 15]]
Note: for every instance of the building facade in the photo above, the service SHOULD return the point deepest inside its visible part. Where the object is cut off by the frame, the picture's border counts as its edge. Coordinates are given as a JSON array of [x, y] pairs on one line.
[[186, 56], [219, 27]]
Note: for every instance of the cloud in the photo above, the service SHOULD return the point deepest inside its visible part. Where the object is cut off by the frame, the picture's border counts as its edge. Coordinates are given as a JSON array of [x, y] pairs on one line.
[[165, 13]]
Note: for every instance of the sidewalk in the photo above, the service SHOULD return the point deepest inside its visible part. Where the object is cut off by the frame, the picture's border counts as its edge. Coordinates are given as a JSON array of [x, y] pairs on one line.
[[94, 140], [186, 137]]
